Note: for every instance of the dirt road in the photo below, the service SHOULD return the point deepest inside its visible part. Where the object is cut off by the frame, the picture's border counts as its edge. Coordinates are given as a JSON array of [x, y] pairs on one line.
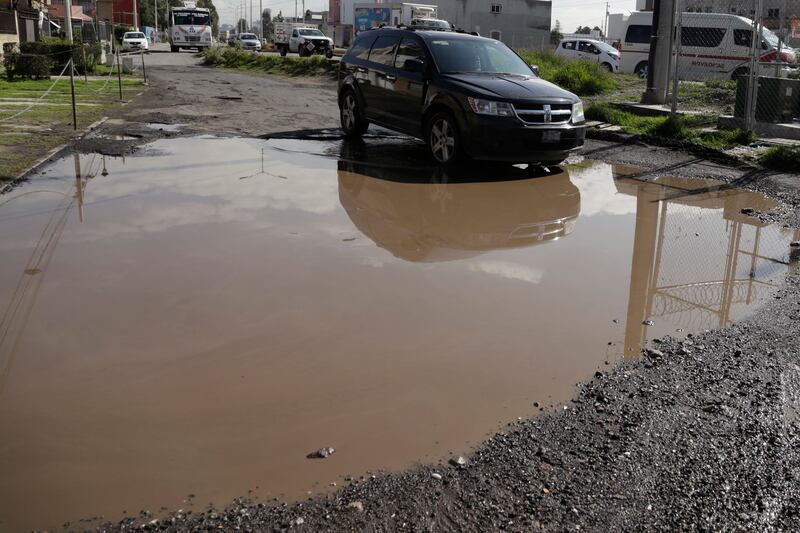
[[700, 433]]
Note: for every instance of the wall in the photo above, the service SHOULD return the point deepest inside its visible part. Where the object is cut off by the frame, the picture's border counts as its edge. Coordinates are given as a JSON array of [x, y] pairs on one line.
[[521, 23]]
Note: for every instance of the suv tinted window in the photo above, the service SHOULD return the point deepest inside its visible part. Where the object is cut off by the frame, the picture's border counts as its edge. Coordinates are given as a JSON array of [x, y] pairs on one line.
[[569, 45], [638, 33], [383, 49], [409, 49], [360, 48]]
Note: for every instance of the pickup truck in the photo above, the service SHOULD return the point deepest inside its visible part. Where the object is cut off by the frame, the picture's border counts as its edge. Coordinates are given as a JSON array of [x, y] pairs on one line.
[[299, 38]]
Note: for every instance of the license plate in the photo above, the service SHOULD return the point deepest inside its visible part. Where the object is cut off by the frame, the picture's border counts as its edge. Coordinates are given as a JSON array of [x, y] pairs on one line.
[[551, 136], [310, 46]]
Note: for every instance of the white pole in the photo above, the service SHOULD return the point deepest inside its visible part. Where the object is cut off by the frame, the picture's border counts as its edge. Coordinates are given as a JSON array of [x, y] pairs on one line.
[[261, 21], [155, 19]]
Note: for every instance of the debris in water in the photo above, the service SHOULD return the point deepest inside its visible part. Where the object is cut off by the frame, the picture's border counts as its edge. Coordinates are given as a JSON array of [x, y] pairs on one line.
[[748, 211], [649, 323], [322, 453]]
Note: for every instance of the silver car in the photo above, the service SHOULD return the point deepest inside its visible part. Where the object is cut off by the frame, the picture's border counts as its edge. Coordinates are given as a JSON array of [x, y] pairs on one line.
[[248, 41]]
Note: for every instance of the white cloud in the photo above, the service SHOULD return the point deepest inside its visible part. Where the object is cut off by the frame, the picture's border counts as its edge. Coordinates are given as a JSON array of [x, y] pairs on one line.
[[508, 270]]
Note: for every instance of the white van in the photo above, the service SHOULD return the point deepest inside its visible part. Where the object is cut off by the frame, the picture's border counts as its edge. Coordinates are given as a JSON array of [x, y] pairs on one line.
[[598, 52], [713, 46]]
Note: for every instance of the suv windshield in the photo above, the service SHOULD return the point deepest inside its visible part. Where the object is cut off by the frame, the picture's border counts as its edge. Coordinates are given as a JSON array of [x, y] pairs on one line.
[[248, 36], [476, 56], [133, 36], [312, 33]]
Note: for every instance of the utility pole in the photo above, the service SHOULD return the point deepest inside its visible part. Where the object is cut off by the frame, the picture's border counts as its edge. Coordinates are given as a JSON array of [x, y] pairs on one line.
[[155, 19], [251, 14], [660, 52], [261, 21], [135, 17], [68, 20], [68, 24]]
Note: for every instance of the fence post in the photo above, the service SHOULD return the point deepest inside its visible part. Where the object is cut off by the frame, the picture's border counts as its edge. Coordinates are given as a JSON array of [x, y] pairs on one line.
[[144, 70], [72, 91], [83, 53], [752, 75], [119, 75], [679, 22]]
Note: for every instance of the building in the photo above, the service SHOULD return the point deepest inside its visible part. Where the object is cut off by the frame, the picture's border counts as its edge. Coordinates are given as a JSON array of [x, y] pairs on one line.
[[518, 23]]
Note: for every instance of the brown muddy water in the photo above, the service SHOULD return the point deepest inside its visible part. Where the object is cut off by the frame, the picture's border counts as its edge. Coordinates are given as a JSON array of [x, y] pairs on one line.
[[198, 318]]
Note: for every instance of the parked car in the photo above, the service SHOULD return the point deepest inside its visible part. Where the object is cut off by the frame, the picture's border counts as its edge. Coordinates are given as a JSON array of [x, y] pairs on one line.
[[713, 46], [598, 52], [304, 40], [462, 94], [248, 41], [134, 40]]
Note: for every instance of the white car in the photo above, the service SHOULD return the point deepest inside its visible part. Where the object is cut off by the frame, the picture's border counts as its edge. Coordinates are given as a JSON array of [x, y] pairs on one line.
[[598, 52], [134, 40], [248, 41]]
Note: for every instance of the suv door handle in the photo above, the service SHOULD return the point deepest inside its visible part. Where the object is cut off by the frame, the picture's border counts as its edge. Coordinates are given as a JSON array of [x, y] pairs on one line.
[[389, 77]]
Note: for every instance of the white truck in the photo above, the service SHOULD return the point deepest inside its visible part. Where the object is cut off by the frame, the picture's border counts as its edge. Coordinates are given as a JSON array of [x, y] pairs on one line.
[[372, 15], [301, 39]]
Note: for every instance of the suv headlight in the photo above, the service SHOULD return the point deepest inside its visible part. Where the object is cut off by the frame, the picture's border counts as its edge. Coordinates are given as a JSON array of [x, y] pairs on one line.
[[577, 112], [489, 107]]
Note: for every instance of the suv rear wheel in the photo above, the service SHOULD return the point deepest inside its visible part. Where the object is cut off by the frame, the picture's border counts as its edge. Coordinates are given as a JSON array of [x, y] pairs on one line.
[[443, 138], [353, 122]]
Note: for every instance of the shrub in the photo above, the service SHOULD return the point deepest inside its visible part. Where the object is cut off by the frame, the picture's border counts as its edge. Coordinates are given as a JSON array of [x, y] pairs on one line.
[[27, 66], [781, 158], [233, 57], [580, 77], [59, 51], [10, 48]]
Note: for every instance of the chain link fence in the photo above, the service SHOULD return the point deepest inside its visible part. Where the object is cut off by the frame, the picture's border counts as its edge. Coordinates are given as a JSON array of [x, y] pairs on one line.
[[716, 64]]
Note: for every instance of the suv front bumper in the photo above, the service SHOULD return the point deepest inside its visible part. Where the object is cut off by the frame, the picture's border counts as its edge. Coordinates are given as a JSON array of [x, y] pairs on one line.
[[508, 139]]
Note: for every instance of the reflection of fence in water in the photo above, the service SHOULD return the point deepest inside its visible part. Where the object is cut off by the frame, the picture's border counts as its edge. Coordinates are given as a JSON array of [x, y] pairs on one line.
[[708, 268]]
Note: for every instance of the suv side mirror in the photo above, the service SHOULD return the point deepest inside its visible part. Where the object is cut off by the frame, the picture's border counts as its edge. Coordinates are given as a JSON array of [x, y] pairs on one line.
[[413, 65], [535, 69]]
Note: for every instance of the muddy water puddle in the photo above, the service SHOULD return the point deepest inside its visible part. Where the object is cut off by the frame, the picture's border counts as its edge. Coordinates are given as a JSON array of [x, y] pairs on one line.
[[198, 320]]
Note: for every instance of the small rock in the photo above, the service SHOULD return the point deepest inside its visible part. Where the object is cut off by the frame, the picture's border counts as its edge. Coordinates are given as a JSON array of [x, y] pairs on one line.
[[649, 323], [299, 521], [322, 453], [458, 461], [436, 476], [358, 506]]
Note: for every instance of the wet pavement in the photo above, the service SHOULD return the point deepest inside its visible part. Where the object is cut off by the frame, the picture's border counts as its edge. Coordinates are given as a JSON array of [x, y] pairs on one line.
[[175, 323]]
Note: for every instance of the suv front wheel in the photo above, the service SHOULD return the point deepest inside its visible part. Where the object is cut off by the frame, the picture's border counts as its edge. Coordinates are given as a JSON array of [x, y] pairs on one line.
[[443, 139], [353, 122]]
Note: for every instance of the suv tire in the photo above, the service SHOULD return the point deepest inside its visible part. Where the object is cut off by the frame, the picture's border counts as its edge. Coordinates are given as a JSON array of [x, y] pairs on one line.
[[443, 138], [283, 51], [352, 118]]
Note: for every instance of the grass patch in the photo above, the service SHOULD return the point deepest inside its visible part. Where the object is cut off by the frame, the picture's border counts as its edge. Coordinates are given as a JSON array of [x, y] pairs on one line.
[[32, 134], [231, 57], [682, 128], [580, 77], [709, 94], [781, 158]]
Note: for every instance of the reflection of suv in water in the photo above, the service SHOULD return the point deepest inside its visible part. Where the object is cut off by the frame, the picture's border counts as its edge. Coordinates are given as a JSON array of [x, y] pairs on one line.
[[462, 94], [437, 214]]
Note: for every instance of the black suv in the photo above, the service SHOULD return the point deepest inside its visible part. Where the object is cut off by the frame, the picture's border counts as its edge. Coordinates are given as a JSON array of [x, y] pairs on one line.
[[462, 94]]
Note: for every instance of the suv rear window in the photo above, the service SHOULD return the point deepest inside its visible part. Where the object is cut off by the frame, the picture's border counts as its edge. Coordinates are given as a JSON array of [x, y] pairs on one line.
[[638, 33], [383, 50]]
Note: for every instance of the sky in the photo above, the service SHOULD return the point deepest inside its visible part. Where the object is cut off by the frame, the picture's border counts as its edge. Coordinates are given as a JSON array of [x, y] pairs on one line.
[[571, 13]]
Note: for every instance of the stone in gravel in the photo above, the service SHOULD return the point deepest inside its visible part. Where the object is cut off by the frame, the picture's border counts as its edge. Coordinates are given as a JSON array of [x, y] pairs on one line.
[[322, 453], [458, 461], [358, 506], [299, 521], [436, 476]]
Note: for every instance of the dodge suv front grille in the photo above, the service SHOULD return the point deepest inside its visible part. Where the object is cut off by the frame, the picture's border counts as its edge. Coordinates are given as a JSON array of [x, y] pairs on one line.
[[544, 113]]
